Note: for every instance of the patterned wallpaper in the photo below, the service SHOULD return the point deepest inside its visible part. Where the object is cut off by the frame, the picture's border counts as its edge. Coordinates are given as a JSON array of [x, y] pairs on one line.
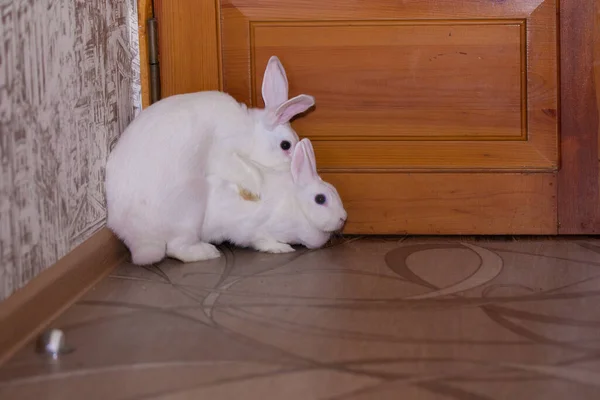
[[69, 85]]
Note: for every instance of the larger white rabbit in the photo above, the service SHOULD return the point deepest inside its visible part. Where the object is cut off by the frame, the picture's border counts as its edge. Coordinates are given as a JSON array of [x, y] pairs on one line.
[[297, 207], [156, 175]]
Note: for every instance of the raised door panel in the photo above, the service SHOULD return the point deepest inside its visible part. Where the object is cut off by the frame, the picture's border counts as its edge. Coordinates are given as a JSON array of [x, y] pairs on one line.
[[424, 108], [407, 80], [442, 92]]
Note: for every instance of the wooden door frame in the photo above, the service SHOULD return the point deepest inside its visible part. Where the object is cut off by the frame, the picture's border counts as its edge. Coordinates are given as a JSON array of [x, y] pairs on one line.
[[145, 12], [578, 199], [188, 27], [192, 28]]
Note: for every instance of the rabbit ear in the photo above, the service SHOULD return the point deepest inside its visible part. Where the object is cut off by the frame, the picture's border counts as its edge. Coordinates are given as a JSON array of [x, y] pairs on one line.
[[303, 170], [291, 108], [311, 154], [275, 84]]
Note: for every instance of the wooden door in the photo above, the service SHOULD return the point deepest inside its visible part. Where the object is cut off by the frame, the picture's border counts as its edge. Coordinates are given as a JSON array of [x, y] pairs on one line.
[[432, 117]]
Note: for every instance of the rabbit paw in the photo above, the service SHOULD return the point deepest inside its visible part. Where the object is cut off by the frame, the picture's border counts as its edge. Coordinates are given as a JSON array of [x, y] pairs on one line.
[[272, 246], [146, 253], [187, 253]]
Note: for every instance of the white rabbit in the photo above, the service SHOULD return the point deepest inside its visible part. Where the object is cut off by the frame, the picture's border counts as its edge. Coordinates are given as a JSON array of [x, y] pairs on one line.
[[296, 207], [156, 174]]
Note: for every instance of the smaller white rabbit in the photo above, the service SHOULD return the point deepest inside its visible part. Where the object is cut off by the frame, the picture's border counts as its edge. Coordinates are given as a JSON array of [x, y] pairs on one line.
[[156, 175], [296, 207]]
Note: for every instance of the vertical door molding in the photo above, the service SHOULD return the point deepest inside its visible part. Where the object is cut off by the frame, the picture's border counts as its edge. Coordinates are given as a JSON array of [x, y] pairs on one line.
[[579, 176], [189, 45]]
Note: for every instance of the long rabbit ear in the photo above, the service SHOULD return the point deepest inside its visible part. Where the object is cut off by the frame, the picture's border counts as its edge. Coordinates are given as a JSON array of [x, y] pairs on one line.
[[275, 84], [311, 154], [303, 172]]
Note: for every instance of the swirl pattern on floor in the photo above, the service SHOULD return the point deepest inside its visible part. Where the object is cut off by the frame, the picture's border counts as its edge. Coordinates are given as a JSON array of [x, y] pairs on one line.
[[364, 318]]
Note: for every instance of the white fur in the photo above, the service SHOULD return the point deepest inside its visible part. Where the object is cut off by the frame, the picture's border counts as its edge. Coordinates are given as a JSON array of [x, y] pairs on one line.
[[156, 184], [286, 214]]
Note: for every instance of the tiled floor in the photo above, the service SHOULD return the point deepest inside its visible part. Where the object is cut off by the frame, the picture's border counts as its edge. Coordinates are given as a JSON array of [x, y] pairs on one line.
[[363, 319]]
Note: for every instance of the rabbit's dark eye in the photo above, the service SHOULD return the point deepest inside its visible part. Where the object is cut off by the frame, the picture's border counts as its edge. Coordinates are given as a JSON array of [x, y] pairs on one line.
[[285, 145], [320, 199]]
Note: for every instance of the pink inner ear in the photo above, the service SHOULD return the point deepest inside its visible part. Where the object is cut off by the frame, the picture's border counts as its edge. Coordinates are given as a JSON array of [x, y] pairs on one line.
[[298, 160], [303, 170], [275, 85], [293, 107], [310, 153]]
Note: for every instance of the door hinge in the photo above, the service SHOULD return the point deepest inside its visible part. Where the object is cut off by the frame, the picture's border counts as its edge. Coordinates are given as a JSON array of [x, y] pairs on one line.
[[152, 29]]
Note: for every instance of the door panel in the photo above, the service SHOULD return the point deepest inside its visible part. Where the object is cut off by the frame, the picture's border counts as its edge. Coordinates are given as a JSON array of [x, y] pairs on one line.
[[453, 203], [402, 80], [413, 89], [430, 115]]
